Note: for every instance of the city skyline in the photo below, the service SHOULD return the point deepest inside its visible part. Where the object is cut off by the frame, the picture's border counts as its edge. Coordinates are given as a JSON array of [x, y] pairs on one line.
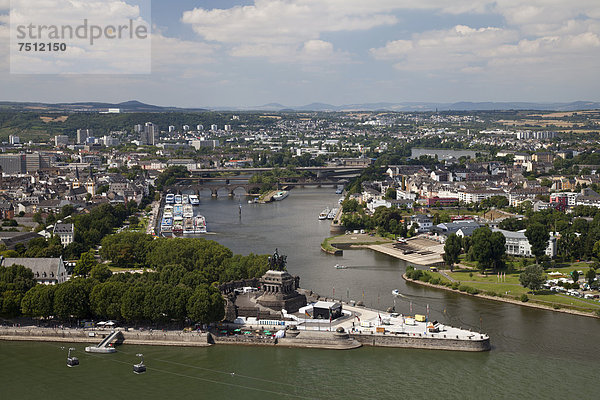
[[295, 52]]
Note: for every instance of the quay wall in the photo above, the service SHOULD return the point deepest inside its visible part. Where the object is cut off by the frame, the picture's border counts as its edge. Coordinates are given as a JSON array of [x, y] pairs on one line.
[[158, 338], [423, 342]]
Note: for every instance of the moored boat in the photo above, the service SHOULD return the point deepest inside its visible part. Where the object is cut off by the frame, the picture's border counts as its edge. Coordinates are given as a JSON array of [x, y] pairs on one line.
[[280, 195], [188, 225], [323, 214], [199, 224]]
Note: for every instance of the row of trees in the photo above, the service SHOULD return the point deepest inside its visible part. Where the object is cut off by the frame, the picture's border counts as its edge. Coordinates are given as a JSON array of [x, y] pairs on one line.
[[134, 300], [179, 285]]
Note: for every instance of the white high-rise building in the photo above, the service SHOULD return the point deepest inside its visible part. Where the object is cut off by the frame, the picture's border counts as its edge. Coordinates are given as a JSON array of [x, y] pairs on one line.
[[13, 139], [199, 127], [83, 135], [61, 140], [228, 127], [186, 128], [171, 128], [214, 127], [148, 136]]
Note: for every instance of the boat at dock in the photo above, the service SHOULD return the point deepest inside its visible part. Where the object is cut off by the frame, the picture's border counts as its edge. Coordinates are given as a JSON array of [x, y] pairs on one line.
[[281, 195], [199, 224], [184, 199], [332, 213], [166, 224], [194, 200], [177, 225], [188, 225], [178, 210], [323, 214], [177, 199], [188, 211]]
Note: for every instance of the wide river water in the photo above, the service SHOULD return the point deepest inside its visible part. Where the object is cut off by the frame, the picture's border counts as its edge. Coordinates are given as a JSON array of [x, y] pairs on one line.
[[535, 353]]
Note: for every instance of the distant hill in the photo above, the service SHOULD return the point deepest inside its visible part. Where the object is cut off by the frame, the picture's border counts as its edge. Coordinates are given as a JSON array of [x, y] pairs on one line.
[[424, 106], [137, 106], [127, 106]]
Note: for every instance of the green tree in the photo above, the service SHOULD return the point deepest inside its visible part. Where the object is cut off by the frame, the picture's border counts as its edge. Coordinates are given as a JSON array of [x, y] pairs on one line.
[[452, 249], [590, 275], [206, 305], [532, 277], [126, 249], [106, 299], [538, 236], [71, 299], [132, 304], [10, 302], [100, 272], [39, 301], [488, 249], [85, 263], [390, 193], [169, 176], [575, 275], [350, 205]]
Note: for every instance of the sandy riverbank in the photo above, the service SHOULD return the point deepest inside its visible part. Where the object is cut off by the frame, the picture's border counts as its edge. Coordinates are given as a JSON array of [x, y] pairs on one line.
[[504, 299]]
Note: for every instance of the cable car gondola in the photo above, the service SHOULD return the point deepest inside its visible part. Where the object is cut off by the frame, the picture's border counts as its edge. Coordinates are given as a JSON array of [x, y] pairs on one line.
[[139, 368], [72, 361]]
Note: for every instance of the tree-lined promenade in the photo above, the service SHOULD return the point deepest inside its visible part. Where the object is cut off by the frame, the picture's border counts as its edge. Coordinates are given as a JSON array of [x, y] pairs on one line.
[[179, 284]]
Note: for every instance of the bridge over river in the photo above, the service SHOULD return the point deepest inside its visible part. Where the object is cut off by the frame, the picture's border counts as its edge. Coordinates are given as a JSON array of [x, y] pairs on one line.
[[231, 184]]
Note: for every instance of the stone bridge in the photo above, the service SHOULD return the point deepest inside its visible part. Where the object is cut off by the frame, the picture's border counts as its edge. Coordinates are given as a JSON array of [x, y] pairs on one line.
[[214, 186]]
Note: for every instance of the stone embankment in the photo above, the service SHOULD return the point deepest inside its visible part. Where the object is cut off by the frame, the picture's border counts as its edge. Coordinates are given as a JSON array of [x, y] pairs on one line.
[[158, 338]]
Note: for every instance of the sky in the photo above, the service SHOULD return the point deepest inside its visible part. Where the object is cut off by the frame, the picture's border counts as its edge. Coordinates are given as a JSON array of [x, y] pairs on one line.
[[215, 53]]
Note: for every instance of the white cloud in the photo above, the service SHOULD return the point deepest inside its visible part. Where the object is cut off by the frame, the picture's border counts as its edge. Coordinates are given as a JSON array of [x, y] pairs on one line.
[[537, 31], [460, 47], [128, 54]]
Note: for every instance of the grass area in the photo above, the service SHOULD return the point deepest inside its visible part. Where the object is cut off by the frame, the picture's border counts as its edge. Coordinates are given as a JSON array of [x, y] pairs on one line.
[[477, 277], [512, 289], [353, 239], [326, 244], [358, 238]]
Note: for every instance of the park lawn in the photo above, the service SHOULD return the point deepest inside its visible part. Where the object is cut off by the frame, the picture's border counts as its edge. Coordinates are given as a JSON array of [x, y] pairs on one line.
[[441, 277], [500, 288], [567, 301], [580, 266], [120, 269], [491, 278]]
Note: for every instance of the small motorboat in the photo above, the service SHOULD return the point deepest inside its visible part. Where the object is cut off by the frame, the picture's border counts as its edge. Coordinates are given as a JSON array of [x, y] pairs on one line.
[[72, 361], [339, 266], [139, 368], [396, 292]]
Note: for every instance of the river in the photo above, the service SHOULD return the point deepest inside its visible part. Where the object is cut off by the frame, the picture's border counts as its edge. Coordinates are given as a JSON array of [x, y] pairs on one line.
[[535, 354]]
